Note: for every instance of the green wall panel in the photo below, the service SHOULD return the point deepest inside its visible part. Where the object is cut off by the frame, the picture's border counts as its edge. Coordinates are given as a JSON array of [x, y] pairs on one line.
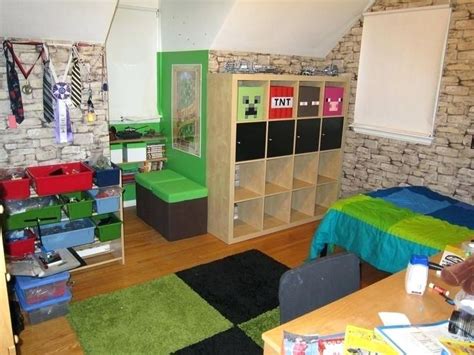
[[191, 166]]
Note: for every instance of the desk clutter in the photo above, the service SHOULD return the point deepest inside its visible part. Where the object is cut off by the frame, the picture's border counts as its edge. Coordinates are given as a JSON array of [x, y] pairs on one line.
[[54, 216], [397, 335]]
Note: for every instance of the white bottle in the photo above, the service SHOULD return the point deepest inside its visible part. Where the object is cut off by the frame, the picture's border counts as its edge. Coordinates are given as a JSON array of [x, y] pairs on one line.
[[416, 276]]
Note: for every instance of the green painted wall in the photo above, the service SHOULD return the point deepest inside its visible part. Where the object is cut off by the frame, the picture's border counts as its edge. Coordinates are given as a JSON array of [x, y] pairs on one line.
[[191, 166]]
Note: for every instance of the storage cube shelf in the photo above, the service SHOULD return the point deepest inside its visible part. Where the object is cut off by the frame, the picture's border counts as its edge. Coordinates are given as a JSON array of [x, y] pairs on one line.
[[288, 160]]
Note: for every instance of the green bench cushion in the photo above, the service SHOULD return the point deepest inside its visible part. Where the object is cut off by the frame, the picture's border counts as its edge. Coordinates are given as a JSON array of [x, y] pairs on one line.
[[154, 177], [178, 190]]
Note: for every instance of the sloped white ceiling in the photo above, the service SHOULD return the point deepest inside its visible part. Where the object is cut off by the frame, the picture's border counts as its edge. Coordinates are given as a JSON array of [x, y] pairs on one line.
[[297, 27], [71, 20]]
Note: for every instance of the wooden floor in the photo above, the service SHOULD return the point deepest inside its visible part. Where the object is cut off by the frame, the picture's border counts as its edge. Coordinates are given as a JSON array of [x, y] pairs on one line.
[[148, 256]]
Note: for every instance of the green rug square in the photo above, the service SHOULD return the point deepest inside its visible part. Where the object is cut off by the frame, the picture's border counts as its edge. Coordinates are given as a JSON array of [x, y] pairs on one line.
[[260, 324], [158, 317]]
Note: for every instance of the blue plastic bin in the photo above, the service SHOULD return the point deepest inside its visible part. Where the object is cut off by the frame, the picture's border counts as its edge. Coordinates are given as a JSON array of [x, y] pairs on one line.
[[67, 234], [107, 177], [105, 204], [36, 290], [40, 312]]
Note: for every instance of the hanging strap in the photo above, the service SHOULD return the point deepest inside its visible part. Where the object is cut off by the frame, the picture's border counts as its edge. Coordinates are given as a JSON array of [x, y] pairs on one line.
[[53, 70], [8, 45]]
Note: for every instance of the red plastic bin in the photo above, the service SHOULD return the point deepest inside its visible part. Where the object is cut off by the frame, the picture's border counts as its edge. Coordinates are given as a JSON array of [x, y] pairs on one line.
[[21, 247], [60, 178], [18, 189]]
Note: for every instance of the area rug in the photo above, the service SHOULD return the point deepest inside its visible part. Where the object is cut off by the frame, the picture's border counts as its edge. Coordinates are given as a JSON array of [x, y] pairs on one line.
[[221, 307]]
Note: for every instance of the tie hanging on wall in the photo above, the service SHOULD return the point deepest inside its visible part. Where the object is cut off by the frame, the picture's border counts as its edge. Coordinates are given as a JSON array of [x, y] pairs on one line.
[[16, 102], [48, 101], [76, 82]]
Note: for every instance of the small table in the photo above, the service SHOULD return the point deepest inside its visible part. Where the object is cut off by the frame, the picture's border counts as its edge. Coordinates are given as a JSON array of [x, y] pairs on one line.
[[361, 309]]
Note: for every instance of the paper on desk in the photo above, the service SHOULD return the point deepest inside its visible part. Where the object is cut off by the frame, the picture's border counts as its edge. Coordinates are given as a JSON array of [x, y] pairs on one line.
[[394, 318]]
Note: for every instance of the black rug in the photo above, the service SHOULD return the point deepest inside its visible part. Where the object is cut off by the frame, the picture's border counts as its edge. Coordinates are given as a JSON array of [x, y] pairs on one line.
[[241, 287]]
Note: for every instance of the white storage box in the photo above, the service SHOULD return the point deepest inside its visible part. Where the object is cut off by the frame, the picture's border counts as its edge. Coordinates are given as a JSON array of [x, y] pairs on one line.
[[116, 153], [134, 152]]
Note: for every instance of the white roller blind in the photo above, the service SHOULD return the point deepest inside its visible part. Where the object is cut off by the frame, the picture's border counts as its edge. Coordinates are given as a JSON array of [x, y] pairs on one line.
[[131, 64], [400, 69]]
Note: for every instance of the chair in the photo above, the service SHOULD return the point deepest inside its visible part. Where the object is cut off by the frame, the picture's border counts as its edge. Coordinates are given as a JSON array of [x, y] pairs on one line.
[[317, 283]]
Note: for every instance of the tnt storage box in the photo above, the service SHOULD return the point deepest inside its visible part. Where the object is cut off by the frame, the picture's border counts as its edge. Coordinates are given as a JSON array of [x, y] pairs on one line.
[[14, 184], [116, 153], [134, 152], [60, 178], [35, 290], [107, 227], [106, 199], [77, 204], [27, 213], [67, 234], [43, 311], [19, 243]]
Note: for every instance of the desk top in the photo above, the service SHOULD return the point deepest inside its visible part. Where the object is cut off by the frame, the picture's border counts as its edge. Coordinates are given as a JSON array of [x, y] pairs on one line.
[[361, 309]]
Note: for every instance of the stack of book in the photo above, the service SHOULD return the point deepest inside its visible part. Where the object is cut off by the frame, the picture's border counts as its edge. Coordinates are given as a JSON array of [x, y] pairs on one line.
[[155, 151]]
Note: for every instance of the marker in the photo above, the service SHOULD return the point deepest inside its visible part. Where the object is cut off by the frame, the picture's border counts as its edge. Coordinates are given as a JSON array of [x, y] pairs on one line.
[[442, 292]]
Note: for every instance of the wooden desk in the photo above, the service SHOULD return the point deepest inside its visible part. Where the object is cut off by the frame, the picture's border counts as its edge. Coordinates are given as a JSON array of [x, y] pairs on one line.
[[361, 309]]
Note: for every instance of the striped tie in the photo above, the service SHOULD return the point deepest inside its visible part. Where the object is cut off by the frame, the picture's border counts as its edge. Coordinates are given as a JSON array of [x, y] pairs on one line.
[[76, 83], [48, 110]]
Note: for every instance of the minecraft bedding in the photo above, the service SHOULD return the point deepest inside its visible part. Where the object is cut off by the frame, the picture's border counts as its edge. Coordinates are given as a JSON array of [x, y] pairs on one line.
[[385, 227]]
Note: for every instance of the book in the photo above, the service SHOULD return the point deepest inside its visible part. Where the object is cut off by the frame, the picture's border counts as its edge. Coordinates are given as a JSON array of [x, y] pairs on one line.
[[451, 255], [363, 341], [416, 339], [313, 344], [457, 347]]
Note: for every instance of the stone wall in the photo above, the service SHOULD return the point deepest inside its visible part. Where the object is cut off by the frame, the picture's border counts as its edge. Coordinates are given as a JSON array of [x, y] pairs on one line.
[[33, 142], [447, 165]]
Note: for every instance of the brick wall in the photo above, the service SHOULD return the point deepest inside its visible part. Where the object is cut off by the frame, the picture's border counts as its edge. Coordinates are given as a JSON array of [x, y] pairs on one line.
[[33, 142], [447, 165]]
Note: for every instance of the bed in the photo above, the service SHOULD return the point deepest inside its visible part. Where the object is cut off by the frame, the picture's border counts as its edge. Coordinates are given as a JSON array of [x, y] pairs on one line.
[[385, 227]]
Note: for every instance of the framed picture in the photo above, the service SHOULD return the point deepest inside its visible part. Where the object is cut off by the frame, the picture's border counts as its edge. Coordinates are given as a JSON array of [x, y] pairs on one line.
[[186, 108]]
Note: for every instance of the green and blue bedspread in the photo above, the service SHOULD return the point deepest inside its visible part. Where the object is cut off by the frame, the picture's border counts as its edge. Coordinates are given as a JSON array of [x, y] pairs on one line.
[[385, 227]]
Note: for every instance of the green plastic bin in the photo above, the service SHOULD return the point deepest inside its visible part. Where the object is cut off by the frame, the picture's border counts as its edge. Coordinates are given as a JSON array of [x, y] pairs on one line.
[[107, 227], [50, 213], [77, 204]]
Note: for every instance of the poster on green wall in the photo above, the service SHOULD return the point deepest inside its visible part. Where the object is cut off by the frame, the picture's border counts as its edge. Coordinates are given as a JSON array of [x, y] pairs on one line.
[[186, 108]]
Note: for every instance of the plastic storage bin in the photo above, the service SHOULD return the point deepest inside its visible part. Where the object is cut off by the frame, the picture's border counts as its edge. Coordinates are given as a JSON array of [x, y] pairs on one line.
[[106, 200], [15, 189], [67, 234], [40, 312], [60, 178], [26, 213], [77, 204], [107, 177], [116, 153], [20, 242], [36, 290], [108, 227], [134, 152]]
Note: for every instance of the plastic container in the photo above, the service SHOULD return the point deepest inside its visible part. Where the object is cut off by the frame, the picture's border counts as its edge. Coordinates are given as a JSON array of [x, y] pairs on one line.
[[107, 177], [108, 227], [18, 189], [116, 153], [36, 290], [77, 204], [20, 242], [67, 234], [134, 152], [106, 200], [52, 308], [60, 178], [416, 276], [27, 213]]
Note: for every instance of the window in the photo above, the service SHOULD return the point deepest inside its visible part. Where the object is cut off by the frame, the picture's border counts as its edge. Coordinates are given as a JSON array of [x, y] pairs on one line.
[[400, 68]]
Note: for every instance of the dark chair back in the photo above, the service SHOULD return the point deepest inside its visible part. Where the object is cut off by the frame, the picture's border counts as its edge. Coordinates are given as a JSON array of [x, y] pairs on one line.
[[317, 283]]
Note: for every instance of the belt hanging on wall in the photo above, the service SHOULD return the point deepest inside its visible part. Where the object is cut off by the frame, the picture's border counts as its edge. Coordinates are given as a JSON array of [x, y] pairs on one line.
[[62, 95], [14, 92]]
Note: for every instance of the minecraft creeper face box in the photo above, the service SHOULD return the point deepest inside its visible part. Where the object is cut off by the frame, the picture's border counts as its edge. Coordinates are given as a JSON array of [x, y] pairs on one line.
[[249, 104]]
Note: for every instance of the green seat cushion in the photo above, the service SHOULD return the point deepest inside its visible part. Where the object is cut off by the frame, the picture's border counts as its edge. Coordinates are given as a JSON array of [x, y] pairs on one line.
[[178, 190], [148, 179]]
